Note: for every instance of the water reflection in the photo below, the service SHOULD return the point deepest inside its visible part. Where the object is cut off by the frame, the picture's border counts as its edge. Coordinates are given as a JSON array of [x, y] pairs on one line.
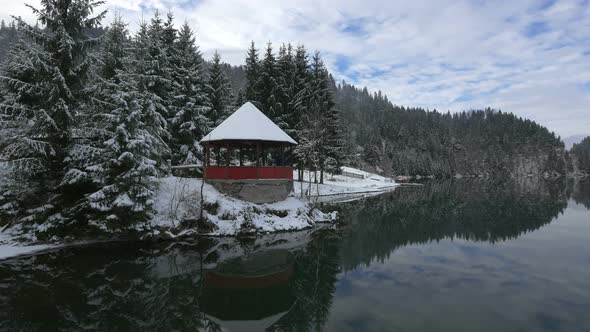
[[470, 210], [280, 282]]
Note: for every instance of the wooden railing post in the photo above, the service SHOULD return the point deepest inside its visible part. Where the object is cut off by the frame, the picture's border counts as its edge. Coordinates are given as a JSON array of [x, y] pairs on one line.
[[227, 157], [257, 160]]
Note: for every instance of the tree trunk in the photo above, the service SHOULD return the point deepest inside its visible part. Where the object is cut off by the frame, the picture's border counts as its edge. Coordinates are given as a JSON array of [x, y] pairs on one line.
[[322, 177]]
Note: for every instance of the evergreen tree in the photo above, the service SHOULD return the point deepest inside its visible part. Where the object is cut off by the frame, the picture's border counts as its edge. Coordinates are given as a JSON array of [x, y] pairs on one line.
[[45, 82], [252, 69], [153, 63], [169, 36], [336, 142], [300, 100], [151, 69], [190, 104], [134, 150], [219, 91], [331, 146], [115, 48], [268, 86], [287, 89]]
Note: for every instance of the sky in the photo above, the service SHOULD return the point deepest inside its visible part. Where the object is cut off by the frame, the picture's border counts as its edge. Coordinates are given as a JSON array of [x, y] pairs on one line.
[[528, 57]]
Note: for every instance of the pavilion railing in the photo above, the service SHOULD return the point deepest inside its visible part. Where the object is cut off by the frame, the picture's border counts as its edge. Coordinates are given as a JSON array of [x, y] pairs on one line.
[[248, 172]]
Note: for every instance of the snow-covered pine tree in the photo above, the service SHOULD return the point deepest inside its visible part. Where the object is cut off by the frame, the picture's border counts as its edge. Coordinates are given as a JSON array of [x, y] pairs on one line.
[[336, 146], [219, 91], [190, 104], [45, 86], [312, 131], [252, 69], [133, 154], [301, 99], [332, 146], [115, 49], [287, 89], [151, 69], [153, 63], [269, 89], [169, 36]]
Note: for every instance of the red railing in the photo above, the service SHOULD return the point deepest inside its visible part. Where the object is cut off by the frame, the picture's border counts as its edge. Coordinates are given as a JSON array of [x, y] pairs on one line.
[[249, 172]]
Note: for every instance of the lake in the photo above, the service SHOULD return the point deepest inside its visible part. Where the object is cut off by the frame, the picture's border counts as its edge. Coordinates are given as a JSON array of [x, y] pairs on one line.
[[444, 256]]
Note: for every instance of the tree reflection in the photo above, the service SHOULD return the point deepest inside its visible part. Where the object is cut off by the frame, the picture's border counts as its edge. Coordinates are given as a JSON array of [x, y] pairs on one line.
[[580, 191], [471, 210], [207, 285]]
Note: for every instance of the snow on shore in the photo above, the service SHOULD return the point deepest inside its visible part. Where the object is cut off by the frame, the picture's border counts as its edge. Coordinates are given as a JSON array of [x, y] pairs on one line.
[[178, 199], [177, 202], [10, 248], [362, 183]]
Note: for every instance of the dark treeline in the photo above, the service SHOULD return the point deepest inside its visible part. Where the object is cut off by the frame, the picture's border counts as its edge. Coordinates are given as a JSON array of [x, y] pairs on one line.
[[414, 141]]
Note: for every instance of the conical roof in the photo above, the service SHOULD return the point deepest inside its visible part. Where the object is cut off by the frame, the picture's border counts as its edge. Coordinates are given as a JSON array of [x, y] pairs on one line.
[[248, 123]]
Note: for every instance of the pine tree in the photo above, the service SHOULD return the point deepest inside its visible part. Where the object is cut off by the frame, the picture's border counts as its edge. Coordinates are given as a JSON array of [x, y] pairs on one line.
[[268, 86], [134, 149], [287, 89], [252, 69], [45, 82], [190, 104], [169, 36], [332, 145], [115, 48], [336, 143], [152, 63], [219, 91], [151, 69], [301, 99]]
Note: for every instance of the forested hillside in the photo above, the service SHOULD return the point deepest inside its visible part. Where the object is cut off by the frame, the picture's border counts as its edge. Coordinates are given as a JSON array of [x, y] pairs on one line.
[[414, 141], [8, 36], [580, 156], [399, 140]]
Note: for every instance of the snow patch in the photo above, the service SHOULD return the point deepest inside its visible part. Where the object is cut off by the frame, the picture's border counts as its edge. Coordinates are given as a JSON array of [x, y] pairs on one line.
[[178, 200], [337, 185]]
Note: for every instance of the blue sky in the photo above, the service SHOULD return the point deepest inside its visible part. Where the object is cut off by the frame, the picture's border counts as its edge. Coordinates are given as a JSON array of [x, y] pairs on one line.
[[531, 58]]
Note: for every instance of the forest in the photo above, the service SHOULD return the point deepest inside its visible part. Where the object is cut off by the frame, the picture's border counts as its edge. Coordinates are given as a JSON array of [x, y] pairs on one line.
[[89, 115]]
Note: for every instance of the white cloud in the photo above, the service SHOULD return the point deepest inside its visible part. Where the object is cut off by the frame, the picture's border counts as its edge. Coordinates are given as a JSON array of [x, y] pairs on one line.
[[448, 55]]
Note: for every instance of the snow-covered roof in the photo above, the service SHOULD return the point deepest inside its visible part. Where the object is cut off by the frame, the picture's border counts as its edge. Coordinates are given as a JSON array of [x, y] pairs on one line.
[[248, 123]]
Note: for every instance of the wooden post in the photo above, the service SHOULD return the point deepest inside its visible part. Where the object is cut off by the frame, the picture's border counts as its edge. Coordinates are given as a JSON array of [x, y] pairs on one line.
[[283, 155], [241, 156], [227, 157], [257, 160], [207, 161]]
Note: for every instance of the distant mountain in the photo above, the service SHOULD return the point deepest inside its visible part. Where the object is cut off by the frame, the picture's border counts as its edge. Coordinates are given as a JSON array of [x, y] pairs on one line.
[[571, 140]]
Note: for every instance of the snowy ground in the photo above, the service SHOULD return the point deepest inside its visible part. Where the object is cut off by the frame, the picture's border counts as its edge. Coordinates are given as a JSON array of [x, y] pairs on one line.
[[341, 185], [10, 248], [178, 199]]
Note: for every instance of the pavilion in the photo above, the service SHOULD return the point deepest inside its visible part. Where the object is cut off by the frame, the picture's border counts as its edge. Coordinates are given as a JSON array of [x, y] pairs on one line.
[[247, 156]]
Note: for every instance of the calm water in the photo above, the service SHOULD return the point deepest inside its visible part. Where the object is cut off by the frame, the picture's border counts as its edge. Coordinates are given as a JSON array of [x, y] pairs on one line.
[[463, 256]]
